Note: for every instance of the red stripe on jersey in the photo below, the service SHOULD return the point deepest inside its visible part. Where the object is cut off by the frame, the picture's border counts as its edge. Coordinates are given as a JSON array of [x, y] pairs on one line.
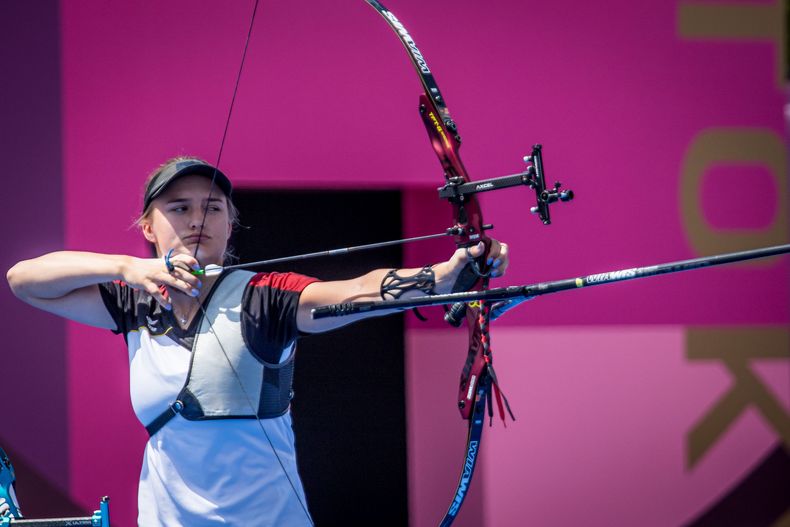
[[283, 281]]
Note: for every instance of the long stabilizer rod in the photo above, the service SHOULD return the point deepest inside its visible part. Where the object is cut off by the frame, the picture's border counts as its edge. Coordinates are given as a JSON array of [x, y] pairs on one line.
[[544, 288]]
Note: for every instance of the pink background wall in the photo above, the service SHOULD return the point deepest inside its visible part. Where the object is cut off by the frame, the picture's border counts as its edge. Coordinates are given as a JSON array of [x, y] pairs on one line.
[[601, 437], [616, 92]]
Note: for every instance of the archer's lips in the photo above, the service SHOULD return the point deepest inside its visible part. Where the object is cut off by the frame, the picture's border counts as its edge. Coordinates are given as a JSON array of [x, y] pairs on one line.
[[194, 238]]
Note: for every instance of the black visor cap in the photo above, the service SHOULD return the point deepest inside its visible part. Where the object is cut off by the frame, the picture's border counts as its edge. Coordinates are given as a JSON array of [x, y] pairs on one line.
[[190, 167]]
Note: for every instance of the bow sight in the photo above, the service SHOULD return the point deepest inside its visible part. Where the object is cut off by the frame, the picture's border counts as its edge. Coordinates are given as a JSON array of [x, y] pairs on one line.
[[456, 189]]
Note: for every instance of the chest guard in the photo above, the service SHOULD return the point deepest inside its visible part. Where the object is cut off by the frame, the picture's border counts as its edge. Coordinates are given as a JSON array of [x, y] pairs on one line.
[[213, 389]]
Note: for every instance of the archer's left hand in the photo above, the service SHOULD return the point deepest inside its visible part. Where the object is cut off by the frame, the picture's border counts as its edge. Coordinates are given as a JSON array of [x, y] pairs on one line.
[[497, 259]]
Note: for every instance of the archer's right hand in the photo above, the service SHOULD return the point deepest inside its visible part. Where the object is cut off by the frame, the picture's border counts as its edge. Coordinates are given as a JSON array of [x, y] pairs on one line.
[[149, 274]]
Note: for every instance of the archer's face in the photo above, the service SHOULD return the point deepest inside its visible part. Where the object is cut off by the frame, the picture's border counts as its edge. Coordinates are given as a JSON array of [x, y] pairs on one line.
[[176, 216]]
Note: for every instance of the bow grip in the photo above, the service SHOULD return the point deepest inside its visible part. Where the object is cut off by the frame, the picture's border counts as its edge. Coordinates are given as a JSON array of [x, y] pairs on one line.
[[471, 276]]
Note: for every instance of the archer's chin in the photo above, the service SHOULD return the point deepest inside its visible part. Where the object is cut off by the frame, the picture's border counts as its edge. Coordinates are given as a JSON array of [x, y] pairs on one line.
[[206, 256]]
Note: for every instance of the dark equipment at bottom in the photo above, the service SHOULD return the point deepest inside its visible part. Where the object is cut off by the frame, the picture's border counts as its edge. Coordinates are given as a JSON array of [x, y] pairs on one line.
[[100, 518]]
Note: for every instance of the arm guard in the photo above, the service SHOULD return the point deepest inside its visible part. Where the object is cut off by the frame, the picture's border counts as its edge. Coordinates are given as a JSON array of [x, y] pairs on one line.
[[393, 286]]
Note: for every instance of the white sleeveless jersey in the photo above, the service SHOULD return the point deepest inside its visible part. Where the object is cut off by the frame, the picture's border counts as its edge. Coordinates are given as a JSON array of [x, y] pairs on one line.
[[211, 472]]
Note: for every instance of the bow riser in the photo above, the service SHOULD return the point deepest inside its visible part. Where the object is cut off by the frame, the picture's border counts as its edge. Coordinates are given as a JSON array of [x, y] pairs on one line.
[[469, 218], [466, 211]]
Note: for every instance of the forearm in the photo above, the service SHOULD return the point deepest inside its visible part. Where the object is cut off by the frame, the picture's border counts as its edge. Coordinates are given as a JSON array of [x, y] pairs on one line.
[[57, 274], [435, 279], [367, 287]]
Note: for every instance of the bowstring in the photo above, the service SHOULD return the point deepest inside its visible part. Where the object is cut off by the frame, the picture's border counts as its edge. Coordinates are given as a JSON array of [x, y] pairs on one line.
[[227, 126], [197, 246]]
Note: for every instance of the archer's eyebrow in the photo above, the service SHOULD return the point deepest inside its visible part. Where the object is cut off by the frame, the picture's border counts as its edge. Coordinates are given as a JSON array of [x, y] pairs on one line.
[[187, 200]]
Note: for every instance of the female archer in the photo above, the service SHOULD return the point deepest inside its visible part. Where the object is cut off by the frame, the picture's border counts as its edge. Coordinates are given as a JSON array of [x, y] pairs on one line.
[[211, 357]]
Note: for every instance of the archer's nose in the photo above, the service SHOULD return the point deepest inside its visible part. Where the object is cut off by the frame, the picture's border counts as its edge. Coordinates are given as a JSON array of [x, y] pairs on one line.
[[195, 220]]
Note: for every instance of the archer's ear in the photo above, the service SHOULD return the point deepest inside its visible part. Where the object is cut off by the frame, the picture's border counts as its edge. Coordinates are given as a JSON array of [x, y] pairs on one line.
[[148, 231]]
